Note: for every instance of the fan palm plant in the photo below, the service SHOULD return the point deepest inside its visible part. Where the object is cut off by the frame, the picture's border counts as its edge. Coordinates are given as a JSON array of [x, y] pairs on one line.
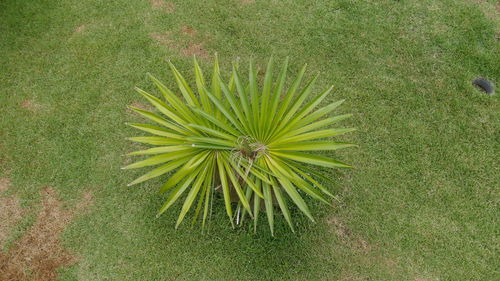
[[254, 145]]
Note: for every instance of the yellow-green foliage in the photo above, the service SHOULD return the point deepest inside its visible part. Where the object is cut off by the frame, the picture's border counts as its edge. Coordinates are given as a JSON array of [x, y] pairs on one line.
[[241, 138]]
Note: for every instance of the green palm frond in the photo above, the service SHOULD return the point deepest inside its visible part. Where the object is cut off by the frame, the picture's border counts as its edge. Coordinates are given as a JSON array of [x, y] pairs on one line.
[[252, 144]]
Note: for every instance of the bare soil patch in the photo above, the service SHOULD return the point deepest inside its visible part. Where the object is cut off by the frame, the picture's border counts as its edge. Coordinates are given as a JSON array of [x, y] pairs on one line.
[[39, 253]]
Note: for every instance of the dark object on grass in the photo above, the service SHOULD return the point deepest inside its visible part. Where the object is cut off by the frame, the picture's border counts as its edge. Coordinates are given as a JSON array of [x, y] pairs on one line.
[[484, 85]]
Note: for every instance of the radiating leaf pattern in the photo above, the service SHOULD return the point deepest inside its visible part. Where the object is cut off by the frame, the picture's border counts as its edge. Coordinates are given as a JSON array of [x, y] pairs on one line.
[[250, 143]]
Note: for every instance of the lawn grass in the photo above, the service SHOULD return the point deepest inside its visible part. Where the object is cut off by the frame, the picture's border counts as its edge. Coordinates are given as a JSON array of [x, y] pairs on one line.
[[421, 203]]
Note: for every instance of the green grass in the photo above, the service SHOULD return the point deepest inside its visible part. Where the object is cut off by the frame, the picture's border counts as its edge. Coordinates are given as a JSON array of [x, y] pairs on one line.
[[421, 203]]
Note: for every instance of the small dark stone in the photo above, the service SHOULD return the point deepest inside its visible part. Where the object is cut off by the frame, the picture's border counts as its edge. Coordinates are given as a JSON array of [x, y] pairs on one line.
[[484, 85]]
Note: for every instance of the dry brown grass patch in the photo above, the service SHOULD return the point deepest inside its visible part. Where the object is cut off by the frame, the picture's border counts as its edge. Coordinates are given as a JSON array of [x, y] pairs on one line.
[[418, 278], [188, 30], [490, 10], [139, 105], [195, 49], [390, 264], [342, 231], [80, 28], [247, 2], [350, 276], [30, 105], [159, 4], [346, 235], [186, 46], [38, 254], [10, 214], [164, 38], [4, 184]]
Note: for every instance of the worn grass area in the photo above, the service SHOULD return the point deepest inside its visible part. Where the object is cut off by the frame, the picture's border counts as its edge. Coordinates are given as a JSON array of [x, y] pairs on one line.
[[422, 203]]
